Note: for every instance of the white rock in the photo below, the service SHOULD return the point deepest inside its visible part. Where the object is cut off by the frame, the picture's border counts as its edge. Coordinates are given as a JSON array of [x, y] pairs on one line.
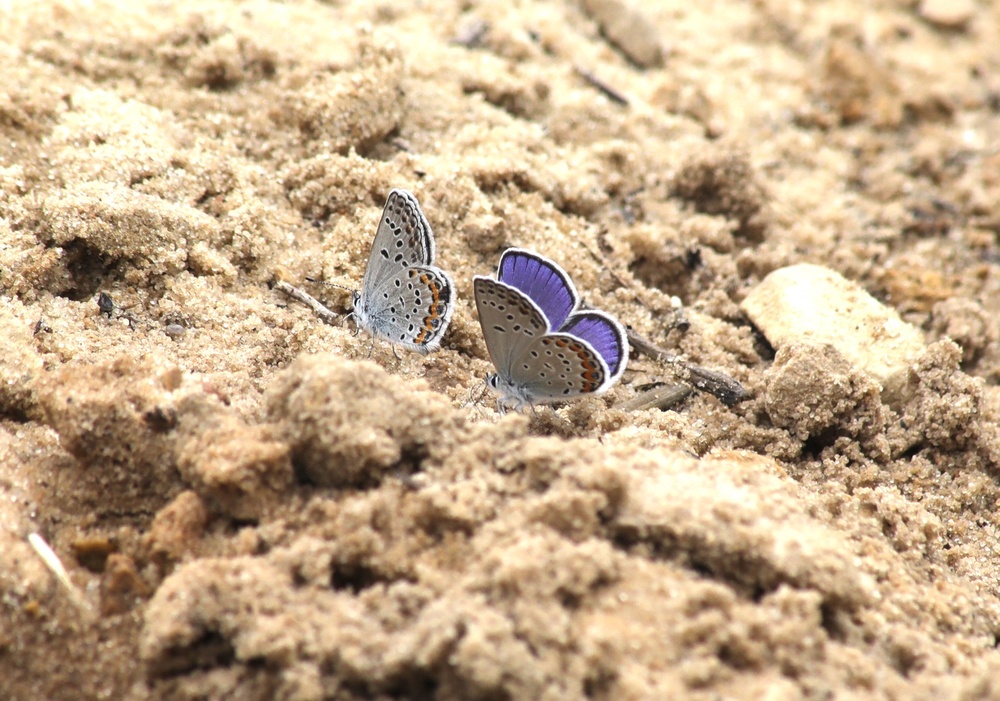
[[813, 304], [947, 14], [629, 29]]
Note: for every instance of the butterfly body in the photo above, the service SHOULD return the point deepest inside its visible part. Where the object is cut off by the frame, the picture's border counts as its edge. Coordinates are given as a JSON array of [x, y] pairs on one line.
[[543, 347], [404, 298]]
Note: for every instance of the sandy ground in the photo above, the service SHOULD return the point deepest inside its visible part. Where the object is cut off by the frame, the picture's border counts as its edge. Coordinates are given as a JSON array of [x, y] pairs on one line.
[[249, 506]]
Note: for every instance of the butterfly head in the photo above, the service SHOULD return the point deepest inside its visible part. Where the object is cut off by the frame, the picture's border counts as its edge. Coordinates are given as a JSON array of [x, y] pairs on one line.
[[509, 396]]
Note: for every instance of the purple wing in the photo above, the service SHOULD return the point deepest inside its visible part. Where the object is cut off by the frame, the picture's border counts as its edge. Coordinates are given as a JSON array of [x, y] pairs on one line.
[[543, 281], [606, 336]]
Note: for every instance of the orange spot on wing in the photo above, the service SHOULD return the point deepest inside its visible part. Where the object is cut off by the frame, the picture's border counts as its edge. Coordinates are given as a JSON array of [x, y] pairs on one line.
[[591, 370], [435, 308]]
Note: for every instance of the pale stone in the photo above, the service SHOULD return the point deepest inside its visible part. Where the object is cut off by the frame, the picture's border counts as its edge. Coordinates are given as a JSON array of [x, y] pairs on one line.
[[629, 29], [948, 14], [812, 304]]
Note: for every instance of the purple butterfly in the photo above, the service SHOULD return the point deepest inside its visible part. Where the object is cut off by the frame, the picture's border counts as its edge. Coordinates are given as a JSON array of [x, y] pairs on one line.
[[543, 348]]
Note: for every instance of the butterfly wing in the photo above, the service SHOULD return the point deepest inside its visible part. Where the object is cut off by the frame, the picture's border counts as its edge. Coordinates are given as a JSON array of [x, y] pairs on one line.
[[403, 239], [412, 308], [511, 321], [558, 367], [543, 350], [605, 335], [548, 285]]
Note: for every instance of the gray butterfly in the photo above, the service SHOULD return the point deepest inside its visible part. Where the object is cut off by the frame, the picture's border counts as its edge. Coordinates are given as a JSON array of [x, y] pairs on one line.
[[404, 298]]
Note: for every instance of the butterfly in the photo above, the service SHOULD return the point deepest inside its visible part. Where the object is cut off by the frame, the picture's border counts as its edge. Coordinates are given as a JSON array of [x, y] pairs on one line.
[[404, 298], [544, 348]]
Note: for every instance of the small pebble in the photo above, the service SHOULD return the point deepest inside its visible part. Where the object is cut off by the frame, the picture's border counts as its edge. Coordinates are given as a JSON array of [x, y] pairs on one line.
[[105, 304], [175, 331], [947, 14], [93, 551], [628, 29]]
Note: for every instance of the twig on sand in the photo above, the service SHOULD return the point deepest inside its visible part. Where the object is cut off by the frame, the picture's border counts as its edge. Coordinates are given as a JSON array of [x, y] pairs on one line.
[[610, 92], [719, 385], [660, 397], [320, 309]]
